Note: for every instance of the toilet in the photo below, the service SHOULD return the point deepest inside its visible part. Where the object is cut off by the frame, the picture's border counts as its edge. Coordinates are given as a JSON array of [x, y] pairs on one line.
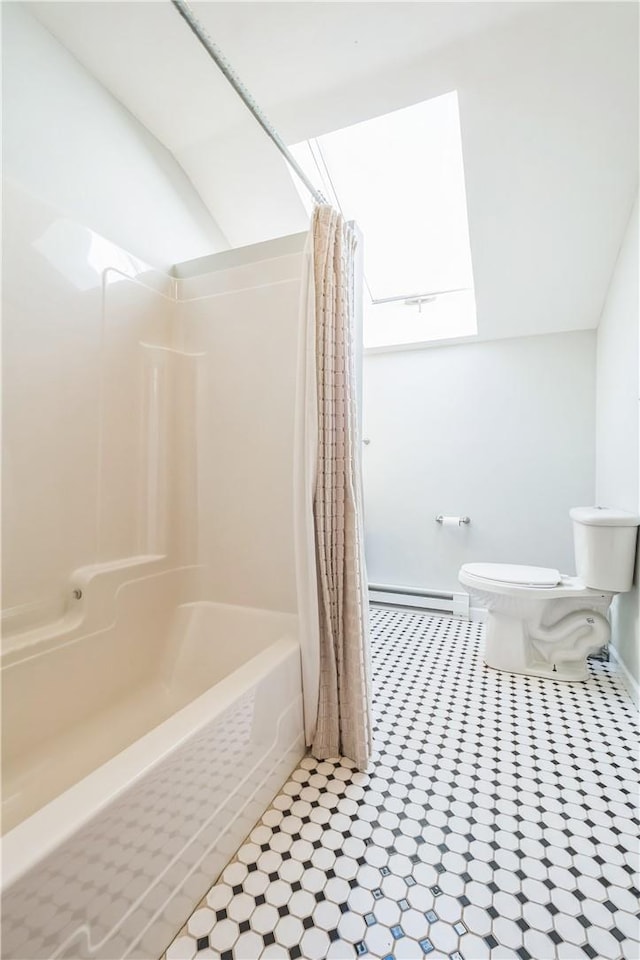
[[545, 624]]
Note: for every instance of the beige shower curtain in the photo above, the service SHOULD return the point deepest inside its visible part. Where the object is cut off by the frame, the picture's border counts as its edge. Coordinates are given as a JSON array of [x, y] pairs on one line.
[[339, 682]]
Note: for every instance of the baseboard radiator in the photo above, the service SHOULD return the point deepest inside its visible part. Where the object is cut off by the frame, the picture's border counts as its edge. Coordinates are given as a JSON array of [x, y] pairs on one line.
[[413, 598]]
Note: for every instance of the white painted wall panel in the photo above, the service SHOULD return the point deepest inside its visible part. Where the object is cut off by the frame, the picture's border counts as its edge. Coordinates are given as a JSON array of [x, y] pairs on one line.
[[617, 423], [501, 431], [70, 143]]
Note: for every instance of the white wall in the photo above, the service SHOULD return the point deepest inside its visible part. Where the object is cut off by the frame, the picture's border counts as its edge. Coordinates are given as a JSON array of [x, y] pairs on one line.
[[617, 423], [539, 137], [71, 144], [499, 431]]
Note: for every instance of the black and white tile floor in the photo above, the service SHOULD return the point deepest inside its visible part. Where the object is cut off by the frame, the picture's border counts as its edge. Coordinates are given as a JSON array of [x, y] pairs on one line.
[[499, 820]]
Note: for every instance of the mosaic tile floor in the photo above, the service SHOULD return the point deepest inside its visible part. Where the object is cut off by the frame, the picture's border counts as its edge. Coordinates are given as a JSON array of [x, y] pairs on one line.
[[499, 820]]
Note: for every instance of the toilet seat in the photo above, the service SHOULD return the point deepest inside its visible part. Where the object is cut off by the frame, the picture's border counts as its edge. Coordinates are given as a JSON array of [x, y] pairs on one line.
[[515, 573], [506, 579]]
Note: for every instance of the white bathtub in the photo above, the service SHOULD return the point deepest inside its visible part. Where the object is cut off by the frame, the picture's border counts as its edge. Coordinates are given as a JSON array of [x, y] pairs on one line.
[[136, 757]]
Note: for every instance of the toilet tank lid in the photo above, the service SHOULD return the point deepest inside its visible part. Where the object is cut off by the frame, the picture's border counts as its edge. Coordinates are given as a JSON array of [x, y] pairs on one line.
[[604, 517], [515, 573]]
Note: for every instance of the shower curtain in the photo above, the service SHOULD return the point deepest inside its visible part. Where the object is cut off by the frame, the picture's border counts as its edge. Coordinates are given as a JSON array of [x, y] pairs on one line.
[[332, 589]]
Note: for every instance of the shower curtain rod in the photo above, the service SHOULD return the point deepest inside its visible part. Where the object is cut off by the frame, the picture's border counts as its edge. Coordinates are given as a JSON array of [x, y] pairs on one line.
[[225, 67]]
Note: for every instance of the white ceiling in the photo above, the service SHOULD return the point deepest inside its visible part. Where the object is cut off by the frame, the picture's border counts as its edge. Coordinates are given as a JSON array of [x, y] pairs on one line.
[[286, 53], [549, 115]]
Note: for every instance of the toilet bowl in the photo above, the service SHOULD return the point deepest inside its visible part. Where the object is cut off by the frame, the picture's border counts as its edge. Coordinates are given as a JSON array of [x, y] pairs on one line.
[[545, 624]]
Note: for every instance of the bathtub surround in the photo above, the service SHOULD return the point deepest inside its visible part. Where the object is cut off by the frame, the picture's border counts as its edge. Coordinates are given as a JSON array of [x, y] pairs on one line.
[[85, 482], [617, 426], [85, 324], [493, 825], [343, 724], [243, 312], [136, 510]]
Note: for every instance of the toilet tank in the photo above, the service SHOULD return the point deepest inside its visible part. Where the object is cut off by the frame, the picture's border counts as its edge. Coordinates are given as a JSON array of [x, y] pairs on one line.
[[605, 547]]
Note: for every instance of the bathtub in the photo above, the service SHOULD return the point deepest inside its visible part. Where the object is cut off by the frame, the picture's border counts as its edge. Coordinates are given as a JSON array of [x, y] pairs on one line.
[[143, 736]]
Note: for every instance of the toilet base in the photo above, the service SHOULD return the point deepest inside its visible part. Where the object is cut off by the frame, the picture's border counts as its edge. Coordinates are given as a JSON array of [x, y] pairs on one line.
[[539, 669], [555, 651]]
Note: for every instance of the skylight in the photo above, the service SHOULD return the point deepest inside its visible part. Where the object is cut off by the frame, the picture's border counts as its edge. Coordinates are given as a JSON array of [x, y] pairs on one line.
[[401, 177]]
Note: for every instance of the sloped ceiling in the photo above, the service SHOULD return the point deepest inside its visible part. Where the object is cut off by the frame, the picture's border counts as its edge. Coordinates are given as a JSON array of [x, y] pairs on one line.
[[549, 115]]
